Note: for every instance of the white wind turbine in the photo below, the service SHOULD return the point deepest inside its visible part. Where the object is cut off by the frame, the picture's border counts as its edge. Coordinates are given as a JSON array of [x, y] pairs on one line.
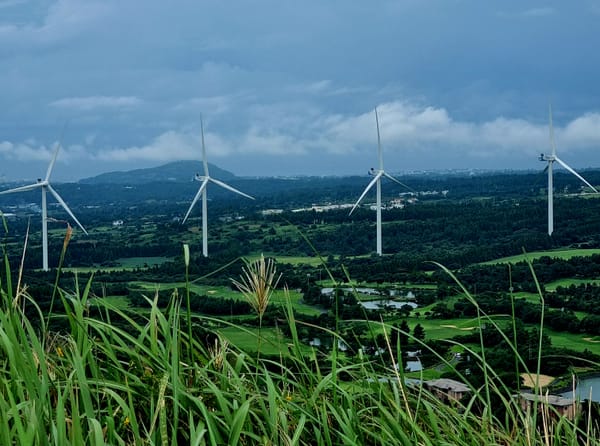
[[205, 179], [45, 186], [550, 159], [377, 180]]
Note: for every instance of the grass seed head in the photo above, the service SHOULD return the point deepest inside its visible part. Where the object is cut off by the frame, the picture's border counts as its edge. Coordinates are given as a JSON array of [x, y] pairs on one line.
[[218, 352], [257, 282], [186, 254], [68, 235]]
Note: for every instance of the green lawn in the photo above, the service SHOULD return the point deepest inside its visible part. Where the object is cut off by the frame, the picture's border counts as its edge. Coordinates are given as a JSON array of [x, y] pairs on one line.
[[246, 339], [577, 342], [444, 329], [529, 297], [291, 260], [568, 282], [120, 302], [278, 297], [448, 328], [209, 290], [558, 254]]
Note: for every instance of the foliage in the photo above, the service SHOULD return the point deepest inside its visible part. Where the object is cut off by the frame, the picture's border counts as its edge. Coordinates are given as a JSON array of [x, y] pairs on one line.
[[100, 383], [75, 369]]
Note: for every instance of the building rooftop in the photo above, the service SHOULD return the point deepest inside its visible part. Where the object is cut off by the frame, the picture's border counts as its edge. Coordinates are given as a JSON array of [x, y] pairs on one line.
[[448, 384], [554, 400]]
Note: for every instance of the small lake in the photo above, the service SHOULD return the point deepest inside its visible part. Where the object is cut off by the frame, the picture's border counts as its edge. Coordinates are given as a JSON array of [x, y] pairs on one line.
[[585, 388], [413, 366], [382, 303], [368, 291], [371, 292]]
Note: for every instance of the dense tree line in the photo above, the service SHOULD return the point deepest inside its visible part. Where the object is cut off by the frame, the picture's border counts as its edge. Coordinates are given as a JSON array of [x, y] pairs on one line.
[[480, 278]]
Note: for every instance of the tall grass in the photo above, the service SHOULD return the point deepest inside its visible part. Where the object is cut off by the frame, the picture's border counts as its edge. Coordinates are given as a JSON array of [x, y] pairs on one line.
[[132, 379]]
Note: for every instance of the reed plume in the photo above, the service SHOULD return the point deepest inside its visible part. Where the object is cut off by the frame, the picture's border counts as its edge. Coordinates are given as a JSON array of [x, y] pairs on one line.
[[257, 282]]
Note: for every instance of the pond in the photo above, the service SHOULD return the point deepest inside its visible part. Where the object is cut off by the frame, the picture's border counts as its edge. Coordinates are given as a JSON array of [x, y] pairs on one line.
[[585, 388], [371, 292], [413, 366], [382, 303], [367, 291]]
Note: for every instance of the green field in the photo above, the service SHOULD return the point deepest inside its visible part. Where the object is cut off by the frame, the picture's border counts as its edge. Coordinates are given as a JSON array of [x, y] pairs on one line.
[[278, 297], [446, 329], [246, 339], [124, 264], [534, 298], [558, 254], [568, 282], [291, 260], [577, 342], [120, 302]]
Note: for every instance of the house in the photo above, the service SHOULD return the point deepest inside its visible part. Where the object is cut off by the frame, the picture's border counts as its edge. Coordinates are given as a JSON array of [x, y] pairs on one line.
[[447, 389], [564, 407]]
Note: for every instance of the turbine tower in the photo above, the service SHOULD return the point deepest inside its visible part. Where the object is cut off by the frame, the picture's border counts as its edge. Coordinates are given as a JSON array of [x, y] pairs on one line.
[[550, 159], [377, 174], [205, 179], [45, 186]]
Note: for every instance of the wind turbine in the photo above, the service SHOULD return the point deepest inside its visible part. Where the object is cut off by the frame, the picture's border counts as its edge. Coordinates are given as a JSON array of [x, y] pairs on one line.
[[377, 174], [205, 179], [550, 159], [45, 186]]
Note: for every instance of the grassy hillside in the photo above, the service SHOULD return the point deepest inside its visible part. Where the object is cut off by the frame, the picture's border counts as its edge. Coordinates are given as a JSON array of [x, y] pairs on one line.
[[171, 377]]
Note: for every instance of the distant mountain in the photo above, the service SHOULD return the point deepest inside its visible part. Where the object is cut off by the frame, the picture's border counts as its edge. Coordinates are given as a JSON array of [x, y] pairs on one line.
[[176, 172]]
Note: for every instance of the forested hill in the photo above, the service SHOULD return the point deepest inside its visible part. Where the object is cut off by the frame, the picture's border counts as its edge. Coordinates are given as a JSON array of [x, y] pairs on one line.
[[173, 182], [178, 171]]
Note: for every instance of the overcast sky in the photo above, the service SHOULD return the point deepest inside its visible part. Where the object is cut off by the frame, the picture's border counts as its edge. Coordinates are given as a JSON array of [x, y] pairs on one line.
[[289, 87]]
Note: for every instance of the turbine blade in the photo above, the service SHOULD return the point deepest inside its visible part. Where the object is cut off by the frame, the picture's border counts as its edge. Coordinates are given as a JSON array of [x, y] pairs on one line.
[[228, 187], [387, 175], [52, 161], [203, 149], [552, 144], [21, 189], [51, 165], [562, 163], [195, 200], [66, 208], [369, 186], [379, 152]]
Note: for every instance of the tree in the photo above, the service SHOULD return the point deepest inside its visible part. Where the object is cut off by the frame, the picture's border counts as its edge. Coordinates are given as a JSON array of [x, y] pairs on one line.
[[403, 333], [419, 332]]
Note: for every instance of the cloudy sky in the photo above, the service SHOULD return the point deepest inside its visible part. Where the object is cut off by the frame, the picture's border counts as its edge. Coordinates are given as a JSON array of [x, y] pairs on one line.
[[289, 87]]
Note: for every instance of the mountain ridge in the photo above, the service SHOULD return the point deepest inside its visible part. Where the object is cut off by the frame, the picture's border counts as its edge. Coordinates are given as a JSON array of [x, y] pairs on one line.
[[174, 172]]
